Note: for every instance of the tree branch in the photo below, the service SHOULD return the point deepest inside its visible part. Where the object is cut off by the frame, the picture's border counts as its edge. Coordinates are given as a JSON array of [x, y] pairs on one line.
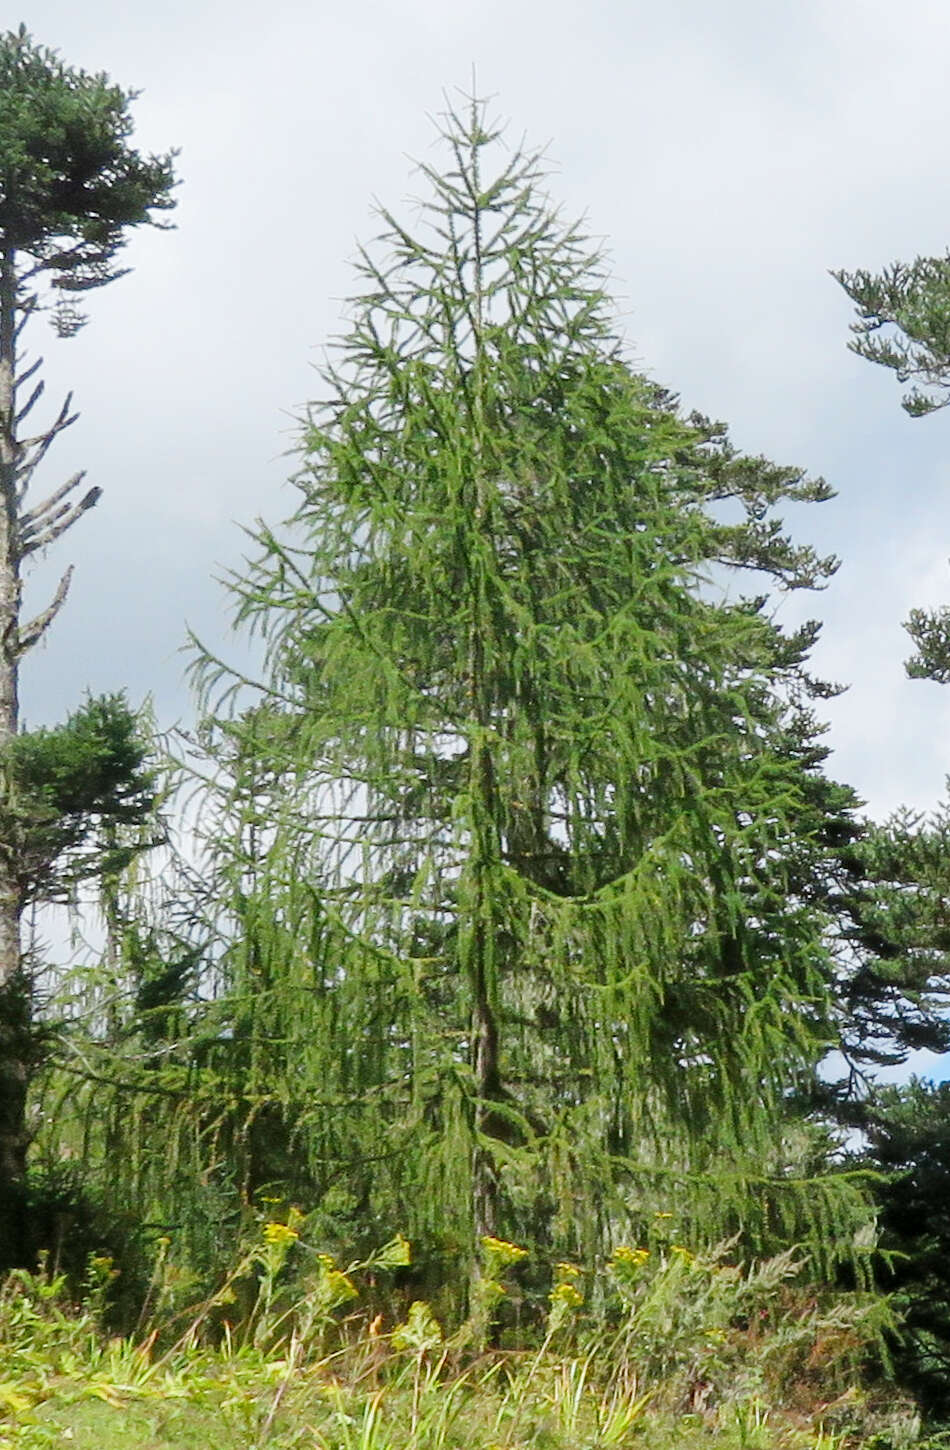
[[62, 520], [29, 522], [27, 307], [36, 394], [37, 627], [40, 446], [64, 419], [27, 373]]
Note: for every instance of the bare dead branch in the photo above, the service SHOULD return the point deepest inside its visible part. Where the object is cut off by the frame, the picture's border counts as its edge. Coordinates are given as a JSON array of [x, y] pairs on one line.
[[36, 394], [40, 447], [29, 521], [34, 631], [63, 520], [27, 373], [63, 420]]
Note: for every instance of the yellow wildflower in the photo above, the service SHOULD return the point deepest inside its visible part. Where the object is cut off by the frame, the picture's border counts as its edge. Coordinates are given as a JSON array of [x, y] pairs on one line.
[[625, 1264], [632, 1258], [567, 1295], [567, 1271], [280, 1233], [503, 1252]]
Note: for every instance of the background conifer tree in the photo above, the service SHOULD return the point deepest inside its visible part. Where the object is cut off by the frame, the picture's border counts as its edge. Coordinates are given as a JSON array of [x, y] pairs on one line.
[[70, 188], [908, 1146]]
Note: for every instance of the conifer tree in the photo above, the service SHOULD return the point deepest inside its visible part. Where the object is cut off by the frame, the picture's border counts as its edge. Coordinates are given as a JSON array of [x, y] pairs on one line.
[[538, 819], [70, 188]]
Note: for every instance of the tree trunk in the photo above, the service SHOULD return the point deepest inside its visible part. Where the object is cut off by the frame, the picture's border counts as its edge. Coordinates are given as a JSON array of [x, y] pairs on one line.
[[14, 993], [9, 570], [486, 1070], [482, 965]]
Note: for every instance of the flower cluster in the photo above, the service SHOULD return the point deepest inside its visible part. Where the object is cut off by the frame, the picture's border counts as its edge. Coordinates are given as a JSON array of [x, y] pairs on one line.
[[280, 1234], [625, 1263], [634, 1258], [565, 1298], [567, 1295], [501, 1253]]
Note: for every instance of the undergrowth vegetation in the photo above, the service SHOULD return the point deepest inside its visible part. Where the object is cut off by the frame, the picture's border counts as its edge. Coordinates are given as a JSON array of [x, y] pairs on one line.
[[652, 1347]]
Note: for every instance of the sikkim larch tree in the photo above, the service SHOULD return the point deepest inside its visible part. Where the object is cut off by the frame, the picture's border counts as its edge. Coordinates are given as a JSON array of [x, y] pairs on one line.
[[71, 186], [540, 838]]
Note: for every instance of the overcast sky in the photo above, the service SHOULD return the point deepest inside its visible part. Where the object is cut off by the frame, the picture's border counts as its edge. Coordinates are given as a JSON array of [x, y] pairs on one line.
[[730, 154]]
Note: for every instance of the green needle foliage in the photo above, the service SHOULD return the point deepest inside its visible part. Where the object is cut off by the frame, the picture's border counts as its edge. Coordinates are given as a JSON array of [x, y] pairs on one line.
[[70, 184], [899, 934], [908, 1138], [74, 793], [525, 932], [904, 324]]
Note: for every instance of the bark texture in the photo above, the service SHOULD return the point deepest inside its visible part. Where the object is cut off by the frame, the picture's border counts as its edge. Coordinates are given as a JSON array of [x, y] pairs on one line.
[[22, 531], [14, 1010]]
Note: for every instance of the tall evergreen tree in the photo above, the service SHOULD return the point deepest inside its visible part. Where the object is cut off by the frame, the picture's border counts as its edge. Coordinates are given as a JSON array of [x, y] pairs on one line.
[[70, 188], [543, 834]]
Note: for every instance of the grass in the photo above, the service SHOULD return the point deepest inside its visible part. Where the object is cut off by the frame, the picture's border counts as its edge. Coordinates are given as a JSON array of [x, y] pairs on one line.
[[682, 1352], [212, 1401]]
